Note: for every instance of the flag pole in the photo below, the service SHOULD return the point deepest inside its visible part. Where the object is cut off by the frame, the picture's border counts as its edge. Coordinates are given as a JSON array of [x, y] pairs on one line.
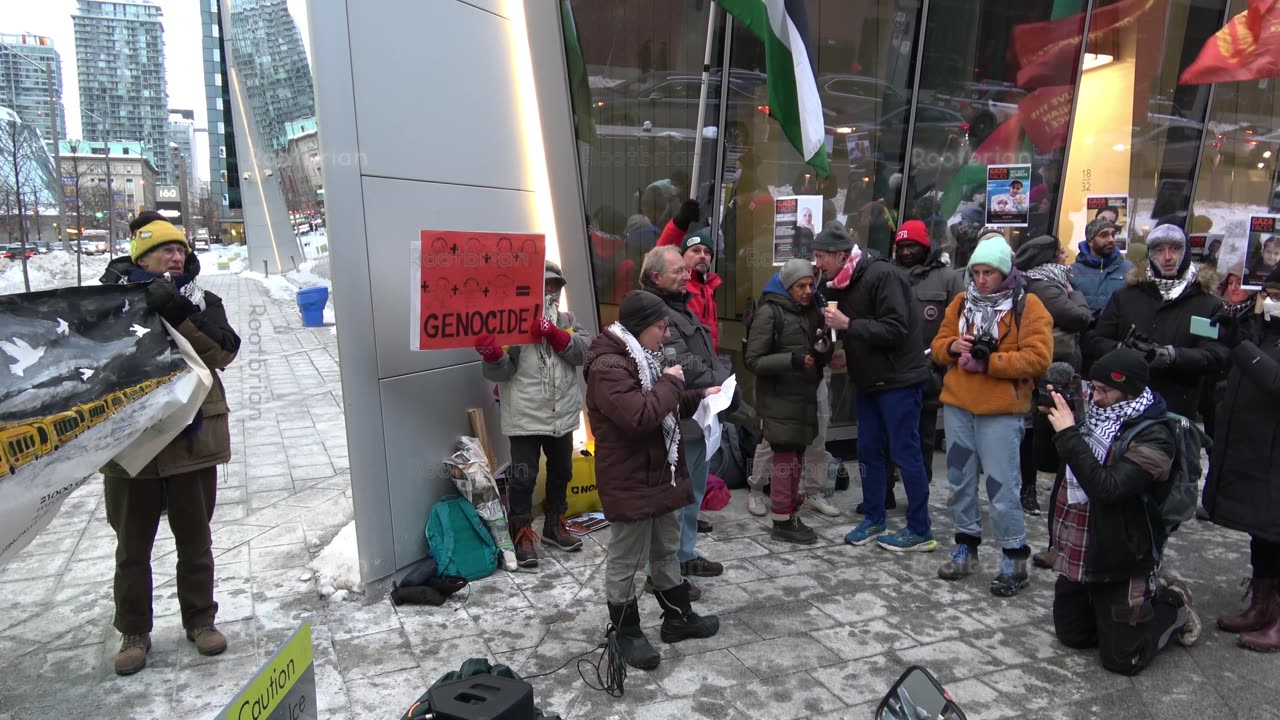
[[712, 13]]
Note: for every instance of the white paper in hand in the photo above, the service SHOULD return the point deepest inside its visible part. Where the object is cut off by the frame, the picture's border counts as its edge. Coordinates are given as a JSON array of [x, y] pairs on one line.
[[709, 410]]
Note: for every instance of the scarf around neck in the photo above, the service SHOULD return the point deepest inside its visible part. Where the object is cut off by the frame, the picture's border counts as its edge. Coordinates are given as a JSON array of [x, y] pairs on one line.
[[1101, 425], [649, 367], [1171, 288], [982, 313], [186, 284], [845, 276], [1051, 272]]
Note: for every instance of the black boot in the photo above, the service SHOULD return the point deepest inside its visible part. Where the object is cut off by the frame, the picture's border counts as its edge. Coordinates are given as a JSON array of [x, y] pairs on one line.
[[792, 530], [635, 647], [679, 621]]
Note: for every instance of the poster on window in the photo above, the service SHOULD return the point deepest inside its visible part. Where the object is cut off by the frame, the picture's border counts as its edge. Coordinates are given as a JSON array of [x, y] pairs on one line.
[[467, 284], [1231, 257], [858, 145], [796, 220], [1008, 195], [1204, 245], [1263, 254], [1113, 207]]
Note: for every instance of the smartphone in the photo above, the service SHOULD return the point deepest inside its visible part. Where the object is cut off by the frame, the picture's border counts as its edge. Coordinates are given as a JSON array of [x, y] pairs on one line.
[[1202, 327]]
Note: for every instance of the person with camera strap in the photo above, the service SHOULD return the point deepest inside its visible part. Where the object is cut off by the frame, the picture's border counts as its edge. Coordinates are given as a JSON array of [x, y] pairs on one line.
[[999, 337]]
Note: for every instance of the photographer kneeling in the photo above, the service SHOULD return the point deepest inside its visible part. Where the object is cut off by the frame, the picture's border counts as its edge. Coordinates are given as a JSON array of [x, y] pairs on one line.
[[1107, 595]]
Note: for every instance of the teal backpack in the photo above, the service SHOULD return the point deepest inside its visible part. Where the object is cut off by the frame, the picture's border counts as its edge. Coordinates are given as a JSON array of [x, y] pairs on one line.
[[459, 541]]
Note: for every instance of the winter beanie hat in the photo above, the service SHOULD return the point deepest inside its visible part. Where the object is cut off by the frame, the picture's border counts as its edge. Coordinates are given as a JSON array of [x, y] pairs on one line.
[[639, 310], [1123, 369], [1092, 229], [1166, 235], [833, 238], [912, 231], [794, 271], [701, 237], [1035, 252], [993, 252], [153, 235]]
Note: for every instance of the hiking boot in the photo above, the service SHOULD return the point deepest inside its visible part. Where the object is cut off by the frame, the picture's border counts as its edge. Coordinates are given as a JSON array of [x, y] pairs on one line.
[[1012, 578], [821, 505], [700, 567], [704, 526], [865, 532], [132, 656], [695, 592], [791, 530], [208, 639], [890, 503], [1264, 607], [756, 505], [963, 562], [556, 533], [523, 537], [905, 540], [1030, 505], [679, 621], [632, 643], [1190, 631], [1044, 558]]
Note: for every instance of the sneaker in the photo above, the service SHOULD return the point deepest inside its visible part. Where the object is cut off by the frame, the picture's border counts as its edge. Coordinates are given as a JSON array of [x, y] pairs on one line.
[[132, 656], [964, 560], [821, 505], [756, 505], [907, 541], [1030, 505], [1189, 633], [700, 567], [1012, 579], [208, 639], [864, 533]]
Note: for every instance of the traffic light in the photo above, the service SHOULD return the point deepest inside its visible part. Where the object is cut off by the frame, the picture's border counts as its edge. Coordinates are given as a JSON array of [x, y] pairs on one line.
[[98, 214]]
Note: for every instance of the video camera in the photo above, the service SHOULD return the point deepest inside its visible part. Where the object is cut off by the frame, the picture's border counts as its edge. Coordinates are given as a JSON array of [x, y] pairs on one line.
[[1066, 382]]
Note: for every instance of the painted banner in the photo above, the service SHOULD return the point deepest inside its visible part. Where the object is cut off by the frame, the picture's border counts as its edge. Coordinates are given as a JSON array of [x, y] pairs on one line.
[[466, 284], [790, 213], [284, 688], [1008, 195], [1262, 256], [89, 376]]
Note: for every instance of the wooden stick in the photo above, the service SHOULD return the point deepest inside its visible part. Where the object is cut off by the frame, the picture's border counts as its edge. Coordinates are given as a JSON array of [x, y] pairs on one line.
[[481, 431]]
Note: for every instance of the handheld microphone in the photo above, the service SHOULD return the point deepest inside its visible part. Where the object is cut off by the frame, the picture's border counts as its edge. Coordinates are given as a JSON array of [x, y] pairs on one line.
[[669, 357]]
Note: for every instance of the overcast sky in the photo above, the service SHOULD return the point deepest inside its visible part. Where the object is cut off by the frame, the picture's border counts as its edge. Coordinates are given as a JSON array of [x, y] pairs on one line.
[[184, 59]]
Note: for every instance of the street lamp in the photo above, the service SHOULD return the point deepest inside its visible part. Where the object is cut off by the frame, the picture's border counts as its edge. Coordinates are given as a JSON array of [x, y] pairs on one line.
[[111, 191]]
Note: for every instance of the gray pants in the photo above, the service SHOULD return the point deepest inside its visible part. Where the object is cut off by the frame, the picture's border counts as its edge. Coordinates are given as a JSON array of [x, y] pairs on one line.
[[631, 544], [817, 461]]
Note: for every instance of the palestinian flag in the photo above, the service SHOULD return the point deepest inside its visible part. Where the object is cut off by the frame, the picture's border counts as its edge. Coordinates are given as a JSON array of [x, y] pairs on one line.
[[793, 92]]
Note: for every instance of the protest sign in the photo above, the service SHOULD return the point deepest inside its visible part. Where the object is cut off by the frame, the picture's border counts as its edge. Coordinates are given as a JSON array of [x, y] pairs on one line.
[[1008, 195], [466, 284], [89, 376], [1263, 253], [1204, 245], [790, 213]]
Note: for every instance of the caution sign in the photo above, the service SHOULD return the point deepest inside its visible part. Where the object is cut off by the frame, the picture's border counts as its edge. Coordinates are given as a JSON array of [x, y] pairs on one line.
[[467, 284], [284, 687]]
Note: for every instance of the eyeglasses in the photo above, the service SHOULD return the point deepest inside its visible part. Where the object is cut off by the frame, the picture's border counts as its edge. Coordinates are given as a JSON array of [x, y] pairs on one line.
[[1100, 389]]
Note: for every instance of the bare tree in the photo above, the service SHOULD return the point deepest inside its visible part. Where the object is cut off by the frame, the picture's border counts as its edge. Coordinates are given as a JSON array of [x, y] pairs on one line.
[[22, 152], [208, 209]]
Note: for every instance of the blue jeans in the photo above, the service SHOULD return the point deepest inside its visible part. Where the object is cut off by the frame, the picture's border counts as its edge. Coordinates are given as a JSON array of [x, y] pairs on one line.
[[696, 460], [993, 441], [891, 419]]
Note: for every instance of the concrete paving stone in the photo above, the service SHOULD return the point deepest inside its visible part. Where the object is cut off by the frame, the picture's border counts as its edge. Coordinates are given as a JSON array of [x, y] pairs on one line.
[[437, 658], [1127, 703], [784, 655], [51, 542], [34, 593], [263, 499], [313, 471], [494, 594], [62, 618], [277, 557], [864, 639], [737, 572], [202, 690], [724, 599], [264, 454], [332, 700], [725, 550], [860, 681], [942, 623], [259, 470], [950, 660], [302, 431], [31, 567], [271, 584], [237, 554], [711, 703], [552, 599], [794, 618], [374, 654], [779, 591], [311, 498], [796, 695], [426, 624], [640, 691], [229, 536], [512, 630], [792, 563], [229, 511], [1018, 645], [279, 481], [232, 494], [265, 438], [715, 669], [854, 608]]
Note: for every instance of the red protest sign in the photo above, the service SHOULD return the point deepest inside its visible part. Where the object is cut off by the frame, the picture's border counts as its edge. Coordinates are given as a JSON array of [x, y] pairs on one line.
[[472, 283]]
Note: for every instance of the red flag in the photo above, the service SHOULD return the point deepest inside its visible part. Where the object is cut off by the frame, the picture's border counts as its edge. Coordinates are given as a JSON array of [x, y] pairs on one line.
[[1246, 48]]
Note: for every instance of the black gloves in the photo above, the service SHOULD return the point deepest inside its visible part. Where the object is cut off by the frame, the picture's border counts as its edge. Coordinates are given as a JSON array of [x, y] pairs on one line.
[[166, 300], [688, 212], [1228, 325]]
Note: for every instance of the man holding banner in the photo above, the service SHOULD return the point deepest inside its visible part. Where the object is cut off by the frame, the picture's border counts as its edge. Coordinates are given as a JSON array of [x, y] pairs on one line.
[[183, 476]]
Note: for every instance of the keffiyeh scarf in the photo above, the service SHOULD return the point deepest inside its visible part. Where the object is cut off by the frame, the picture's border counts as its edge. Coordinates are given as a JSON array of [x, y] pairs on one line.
[[1171, 288], [1051, 272], [982, 313], [649, 367], [1099, 430], [845, 276]]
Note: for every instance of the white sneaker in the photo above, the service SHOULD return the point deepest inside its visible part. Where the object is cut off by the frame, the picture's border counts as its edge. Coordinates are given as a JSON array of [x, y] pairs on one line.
[[819, 504], [756, 505]]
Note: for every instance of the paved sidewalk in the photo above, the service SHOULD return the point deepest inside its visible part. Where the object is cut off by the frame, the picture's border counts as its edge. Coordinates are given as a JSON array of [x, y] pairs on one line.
[[818, 632]]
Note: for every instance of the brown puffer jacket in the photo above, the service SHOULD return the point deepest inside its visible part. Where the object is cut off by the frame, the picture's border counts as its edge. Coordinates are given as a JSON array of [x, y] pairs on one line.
[[633, 476]]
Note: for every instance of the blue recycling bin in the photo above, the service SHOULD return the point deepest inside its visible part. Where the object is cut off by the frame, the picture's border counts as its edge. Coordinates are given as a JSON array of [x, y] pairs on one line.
[[311, 302]]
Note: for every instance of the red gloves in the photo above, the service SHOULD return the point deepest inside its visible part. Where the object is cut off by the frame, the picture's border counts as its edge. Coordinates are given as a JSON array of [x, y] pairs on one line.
[[487, 346], [547, 330]]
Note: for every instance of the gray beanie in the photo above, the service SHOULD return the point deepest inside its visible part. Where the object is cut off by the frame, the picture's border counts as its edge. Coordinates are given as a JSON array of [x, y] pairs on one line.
[[1092, 229], [795, 271], [1166, 235], [1035, 252], [833, 238], [639, 309]]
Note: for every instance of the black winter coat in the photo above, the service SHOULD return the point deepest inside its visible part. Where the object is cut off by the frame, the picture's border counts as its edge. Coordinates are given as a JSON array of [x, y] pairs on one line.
[[933, 286], [1243, 489], [884, 345], [1121, 545], [695, 352], [1140, 305], [632, 473]]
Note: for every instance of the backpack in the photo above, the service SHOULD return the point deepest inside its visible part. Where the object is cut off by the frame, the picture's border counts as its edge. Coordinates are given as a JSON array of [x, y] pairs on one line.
[[459, 541], [1189, 440], [749, 316]]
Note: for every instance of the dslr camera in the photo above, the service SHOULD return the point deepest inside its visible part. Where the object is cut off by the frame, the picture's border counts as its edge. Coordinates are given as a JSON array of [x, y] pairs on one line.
[[1070, 391], [983, 346]]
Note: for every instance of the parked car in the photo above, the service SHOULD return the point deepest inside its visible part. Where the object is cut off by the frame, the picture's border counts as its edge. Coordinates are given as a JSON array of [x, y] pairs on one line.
[[13, 251], [984, 105], [857, 99], [671, 101]]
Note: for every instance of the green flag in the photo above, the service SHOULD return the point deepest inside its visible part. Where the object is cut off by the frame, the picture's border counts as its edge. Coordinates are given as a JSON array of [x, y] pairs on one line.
[[793, 92]]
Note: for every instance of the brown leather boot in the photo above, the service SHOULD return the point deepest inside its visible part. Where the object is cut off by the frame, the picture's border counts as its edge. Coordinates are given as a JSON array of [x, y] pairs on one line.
[[208, 639], [525, 540], [132, 656], [1264, 607], [556, 533]]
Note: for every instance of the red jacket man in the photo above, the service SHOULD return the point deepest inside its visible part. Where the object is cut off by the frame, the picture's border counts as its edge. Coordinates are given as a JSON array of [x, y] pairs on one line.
[[698, 253]]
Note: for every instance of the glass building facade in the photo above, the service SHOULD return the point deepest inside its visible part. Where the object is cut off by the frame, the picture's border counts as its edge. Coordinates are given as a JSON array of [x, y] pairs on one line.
[[24, 87], [920, 98]]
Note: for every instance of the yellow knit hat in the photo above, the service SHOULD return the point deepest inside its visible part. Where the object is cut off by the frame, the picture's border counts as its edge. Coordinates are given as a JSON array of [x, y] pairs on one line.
[[153, 235]]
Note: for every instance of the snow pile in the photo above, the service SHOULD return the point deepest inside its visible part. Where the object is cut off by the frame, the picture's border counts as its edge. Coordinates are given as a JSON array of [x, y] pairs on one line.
[[337, 567], [55, 270], [312, 273], [277, 286]]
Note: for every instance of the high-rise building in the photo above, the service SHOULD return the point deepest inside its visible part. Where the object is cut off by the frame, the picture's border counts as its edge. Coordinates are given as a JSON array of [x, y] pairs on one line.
[[224, 176], [24, 87], [271, 65], [120, 56], [182, 133]]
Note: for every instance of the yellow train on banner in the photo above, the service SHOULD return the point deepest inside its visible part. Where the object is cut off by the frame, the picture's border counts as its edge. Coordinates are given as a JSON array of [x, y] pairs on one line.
[[25, 441]]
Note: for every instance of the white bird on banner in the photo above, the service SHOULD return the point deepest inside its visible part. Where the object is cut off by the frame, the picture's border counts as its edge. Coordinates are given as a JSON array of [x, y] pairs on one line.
[[64, 329], [85, 374], [138, 330], [25, 355]]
